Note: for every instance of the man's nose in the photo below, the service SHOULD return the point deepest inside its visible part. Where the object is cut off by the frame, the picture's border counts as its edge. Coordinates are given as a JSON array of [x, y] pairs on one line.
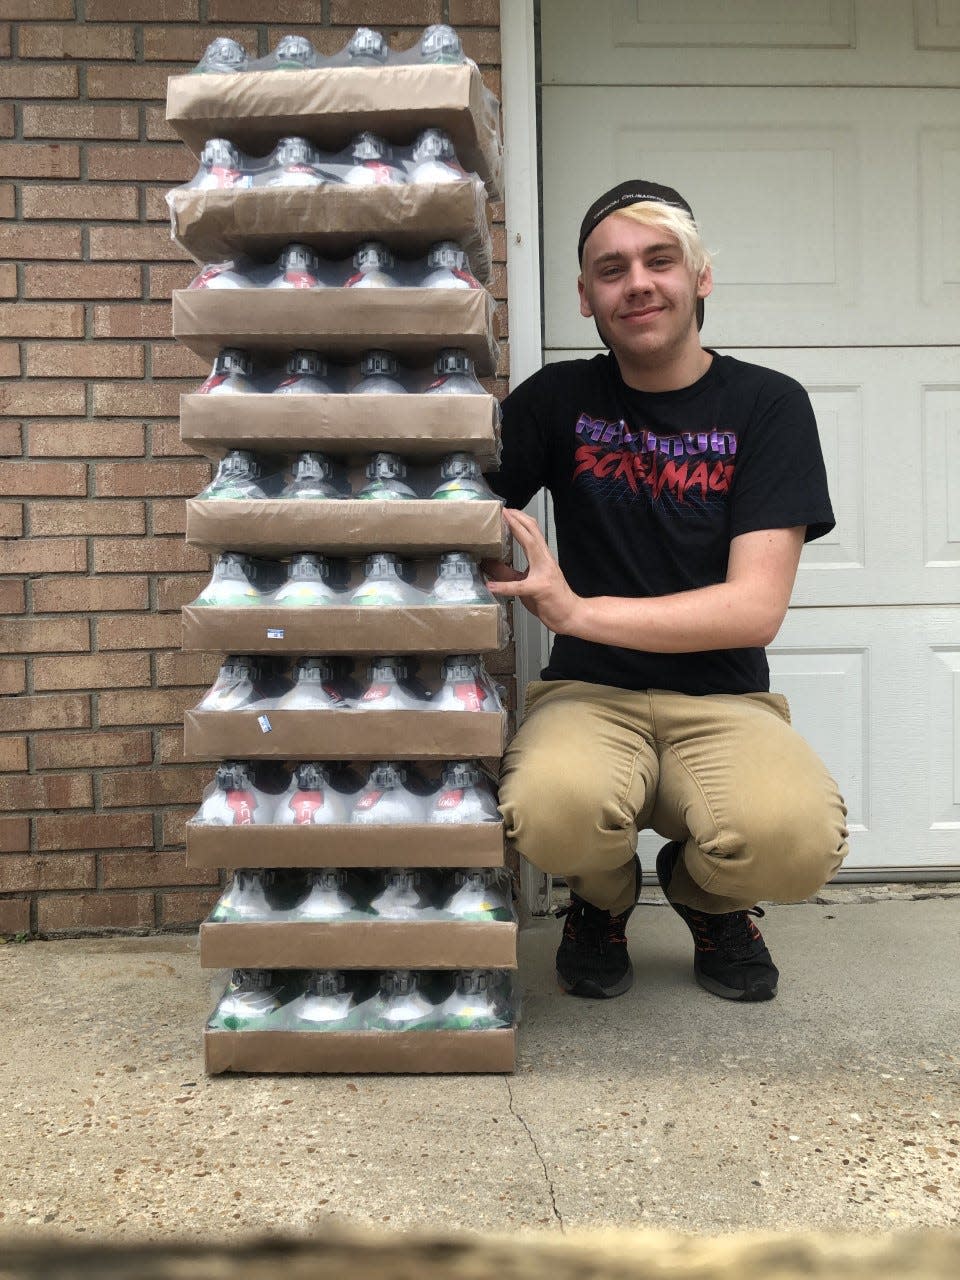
[[637, 279]]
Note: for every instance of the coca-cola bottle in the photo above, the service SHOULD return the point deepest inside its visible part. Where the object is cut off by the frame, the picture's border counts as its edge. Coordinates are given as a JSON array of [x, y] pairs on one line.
[[374, 268], [312, 478], [455, 375], [307, 374], [294, 162], [316, 688], [383, 583], [448, 268], [221, 166], [462, 481], [388, 688], [385, 799], [238, 475], [297, 268], [386, 474], [311, 800], [378, 375], [232, 374], [232, 800], [372, 165], [464, 796], [433, 159], [234, 582], [307, 583], [458, 581], [222, 55]]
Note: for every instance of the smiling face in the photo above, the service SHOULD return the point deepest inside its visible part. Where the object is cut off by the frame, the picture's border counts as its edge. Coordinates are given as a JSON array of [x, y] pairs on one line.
[[642, 296]]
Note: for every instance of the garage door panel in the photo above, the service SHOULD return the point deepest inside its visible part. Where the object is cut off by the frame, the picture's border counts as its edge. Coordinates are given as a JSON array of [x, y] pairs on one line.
[[751, 41], [823, 233]]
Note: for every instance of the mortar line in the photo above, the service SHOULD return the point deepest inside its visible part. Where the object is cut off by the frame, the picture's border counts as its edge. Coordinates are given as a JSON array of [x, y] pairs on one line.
[[543, 1165]]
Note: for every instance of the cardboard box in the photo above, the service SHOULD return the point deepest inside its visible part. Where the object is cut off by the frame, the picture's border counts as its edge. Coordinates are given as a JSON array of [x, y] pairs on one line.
[[261, 221], [412, 323], [348, 526], [422, 428], [362, 944], [355, 1052], [330, 105], [343, 735], [333, 629], [477, 844]]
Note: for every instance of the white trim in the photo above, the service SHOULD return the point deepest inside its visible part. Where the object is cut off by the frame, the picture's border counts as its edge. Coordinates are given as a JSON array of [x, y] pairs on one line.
[[519, 81]]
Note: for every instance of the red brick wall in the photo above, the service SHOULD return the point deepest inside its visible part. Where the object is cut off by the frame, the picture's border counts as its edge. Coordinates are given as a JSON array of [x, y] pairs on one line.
[[93, 565]]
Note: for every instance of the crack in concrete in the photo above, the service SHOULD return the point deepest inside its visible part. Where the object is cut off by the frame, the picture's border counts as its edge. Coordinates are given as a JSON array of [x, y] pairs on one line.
[[543, 1165]]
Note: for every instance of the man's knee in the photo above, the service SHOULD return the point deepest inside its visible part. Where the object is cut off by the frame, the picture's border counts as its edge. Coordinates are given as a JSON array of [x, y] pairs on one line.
[[795, 849], [562, 827]]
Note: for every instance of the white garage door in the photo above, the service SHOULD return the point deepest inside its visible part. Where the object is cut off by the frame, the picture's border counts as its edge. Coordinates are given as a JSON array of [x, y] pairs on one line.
[[818, 142]]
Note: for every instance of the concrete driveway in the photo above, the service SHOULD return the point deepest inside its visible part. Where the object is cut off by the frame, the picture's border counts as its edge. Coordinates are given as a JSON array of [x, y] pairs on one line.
[[836, 1106]]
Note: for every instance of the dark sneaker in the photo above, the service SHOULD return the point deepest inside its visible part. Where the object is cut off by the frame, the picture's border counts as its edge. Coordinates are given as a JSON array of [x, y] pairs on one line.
[[592, 959], [730, 958]]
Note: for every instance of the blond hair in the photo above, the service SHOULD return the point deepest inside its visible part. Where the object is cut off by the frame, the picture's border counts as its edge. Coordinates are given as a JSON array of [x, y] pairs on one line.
[[679, 224]]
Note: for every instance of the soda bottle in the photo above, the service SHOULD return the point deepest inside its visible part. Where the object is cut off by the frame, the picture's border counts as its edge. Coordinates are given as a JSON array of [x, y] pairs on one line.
[[374, 268], [222, 55], [383, 584], [434, 159], [325, 899], [222, 275], [310, 800], [387, 690], [440, 44], [236, 686], [458, 581], [385, 799], [399, 1004], [367, 48], [479, 895], [461, 480], [234, 582], [378, 371], [237, 476], [293, 53], [386, 472], [448, 268], [251, 1002], [247, 897], [478, 1002], [231, 374], [221, 165], [307, 582], [465, 686], [307, 373], [297, 268], [403, 896], [232, 800], [455, 375], [464, 796], [294, 162], [327, 1003], [311, 478], [372, 163], [314, 688]]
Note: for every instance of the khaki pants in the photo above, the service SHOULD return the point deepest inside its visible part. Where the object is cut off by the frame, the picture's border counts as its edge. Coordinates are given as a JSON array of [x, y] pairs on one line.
[[591, 764]]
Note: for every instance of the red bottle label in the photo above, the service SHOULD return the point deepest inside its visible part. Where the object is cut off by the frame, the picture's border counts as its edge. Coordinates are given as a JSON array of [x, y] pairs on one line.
[[369, 800], [299, 279], [450, 799], [470, 694], [304, 805], [243, 804], [215, 380], [375, 693]]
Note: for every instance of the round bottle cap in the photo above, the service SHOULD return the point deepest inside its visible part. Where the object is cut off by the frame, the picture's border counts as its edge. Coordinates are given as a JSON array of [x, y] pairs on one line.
[[453, 360], [458, 466], [365, 43], [219, 153], [312, 466], [303, 361], [224, 52], [372, 256], [311, 776], [375, 362], [386, 466], [447, 254], [440, 43], [295, 49], [299, 257], [308, 567], [433, 144], [295, 151], [233, 360], [369, 146], [386, 776]]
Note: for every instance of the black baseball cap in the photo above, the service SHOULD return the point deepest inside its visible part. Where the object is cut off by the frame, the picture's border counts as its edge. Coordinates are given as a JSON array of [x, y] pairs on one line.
[[622, 196]]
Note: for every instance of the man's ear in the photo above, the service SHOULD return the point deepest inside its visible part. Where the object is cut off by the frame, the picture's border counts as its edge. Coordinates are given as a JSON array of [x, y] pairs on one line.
[[585, 308], [705, 282]]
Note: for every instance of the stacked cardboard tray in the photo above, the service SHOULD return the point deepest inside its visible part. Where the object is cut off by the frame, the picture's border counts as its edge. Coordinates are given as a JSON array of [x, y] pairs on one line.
[[254, 110]]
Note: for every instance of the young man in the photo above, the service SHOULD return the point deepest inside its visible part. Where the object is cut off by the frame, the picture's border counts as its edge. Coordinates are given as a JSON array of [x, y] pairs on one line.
[[684, 485]]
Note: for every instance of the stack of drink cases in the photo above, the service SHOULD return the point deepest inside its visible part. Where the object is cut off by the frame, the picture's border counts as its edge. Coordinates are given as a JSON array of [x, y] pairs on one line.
[[339, 218]]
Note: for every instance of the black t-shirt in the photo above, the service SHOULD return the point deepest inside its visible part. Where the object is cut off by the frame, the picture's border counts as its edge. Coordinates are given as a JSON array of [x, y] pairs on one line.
[[649, 489]]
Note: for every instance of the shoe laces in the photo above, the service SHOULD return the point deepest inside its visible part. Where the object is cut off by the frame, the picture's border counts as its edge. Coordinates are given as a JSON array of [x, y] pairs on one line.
[[585, 921], [732, 934]]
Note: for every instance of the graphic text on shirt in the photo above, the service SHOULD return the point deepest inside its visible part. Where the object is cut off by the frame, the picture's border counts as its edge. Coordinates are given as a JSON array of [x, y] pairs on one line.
[[687, 465]]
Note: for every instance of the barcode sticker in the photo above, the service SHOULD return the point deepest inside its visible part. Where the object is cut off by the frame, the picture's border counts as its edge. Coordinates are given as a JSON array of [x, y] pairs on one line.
[[264, 723], [274, 633]]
